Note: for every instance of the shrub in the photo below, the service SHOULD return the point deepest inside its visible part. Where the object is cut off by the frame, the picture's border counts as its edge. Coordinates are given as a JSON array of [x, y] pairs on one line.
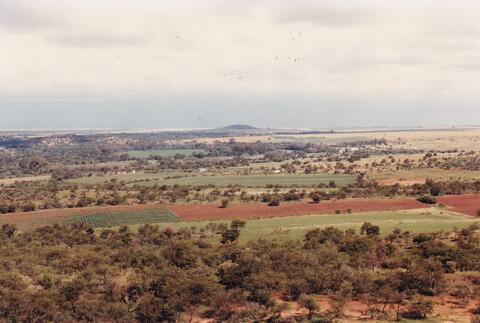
[[418, 309], [274, 202], [316, 198], [426, 199], [224, 203]]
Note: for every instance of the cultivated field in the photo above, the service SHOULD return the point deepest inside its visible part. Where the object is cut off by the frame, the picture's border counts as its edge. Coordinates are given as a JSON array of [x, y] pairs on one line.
[[108, 218], [409, 177], [299, 180], [467, 204], [333, 211], [130, 178], [256, 211], [163, 152], [102, 216], [295, 227]]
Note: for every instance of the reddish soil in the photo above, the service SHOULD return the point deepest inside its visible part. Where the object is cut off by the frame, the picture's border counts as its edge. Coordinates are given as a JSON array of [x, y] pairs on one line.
[[467, 204], [446, 309], [254, 211]]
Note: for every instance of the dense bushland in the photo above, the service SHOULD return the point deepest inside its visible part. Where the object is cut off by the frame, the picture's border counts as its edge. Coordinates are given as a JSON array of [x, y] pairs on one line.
[[67, 274]]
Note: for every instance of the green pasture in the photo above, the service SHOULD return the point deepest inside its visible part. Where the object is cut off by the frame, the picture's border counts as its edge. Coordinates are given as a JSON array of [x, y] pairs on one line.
[[300, 180], [130, 178]]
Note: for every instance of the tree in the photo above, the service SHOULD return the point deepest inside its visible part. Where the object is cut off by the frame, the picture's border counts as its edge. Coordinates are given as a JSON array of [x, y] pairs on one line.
[[276, 309], [427, 199], [7, 231], [224, 203], [369, 229], [274, 202], [316, 198], [419, 308], [309, 303], [233, 233]]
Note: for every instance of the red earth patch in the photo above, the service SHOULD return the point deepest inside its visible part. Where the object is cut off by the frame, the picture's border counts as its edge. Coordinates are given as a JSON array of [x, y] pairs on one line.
[[255, 211], [467, 204]]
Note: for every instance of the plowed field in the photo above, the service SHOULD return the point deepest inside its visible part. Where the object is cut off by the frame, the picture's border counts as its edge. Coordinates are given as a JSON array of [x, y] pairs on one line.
[[256, 211]]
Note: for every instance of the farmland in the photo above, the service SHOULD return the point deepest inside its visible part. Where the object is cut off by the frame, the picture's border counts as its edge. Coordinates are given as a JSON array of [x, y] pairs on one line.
[[290, 220], [164, 152], [179, 178], [129, 178], [294, 227], [255, 211], [324, 219], [299, 180], [107, 218], [466, 204], [93, 216]]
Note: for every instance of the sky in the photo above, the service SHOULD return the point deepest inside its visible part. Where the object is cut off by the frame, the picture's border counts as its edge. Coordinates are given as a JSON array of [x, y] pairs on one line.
[[133, 64]]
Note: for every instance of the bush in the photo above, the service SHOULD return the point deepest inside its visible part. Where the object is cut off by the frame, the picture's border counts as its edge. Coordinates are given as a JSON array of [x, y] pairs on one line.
[[418, 309], [426, 199], [274, 202], [224, 203], [316, 198]]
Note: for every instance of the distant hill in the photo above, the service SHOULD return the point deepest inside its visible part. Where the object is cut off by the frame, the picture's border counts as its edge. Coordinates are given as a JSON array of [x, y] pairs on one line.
[[239, 129]]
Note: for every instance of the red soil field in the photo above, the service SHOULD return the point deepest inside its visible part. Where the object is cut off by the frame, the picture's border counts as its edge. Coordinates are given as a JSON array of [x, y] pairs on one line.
[[254, 211], [467, 204]]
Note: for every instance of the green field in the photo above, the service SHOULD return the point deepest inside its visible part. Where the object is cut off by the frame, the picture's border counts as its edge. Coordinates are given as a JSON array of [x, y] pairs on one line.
[[300, 180], [295, 227], [117, 218], [172, 178], [163, 152], [127, 178]]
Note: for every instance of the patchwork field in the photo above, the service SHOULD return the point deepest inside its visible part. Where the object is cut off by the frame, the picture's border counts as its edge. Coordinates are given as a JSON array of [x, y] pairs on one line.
[[255, 211], [286, 220]]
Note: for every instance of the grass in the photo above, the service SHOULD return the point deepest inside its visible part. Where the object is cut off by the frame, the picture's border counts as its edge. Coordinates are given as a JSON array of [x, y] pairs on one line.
[[163, 152], [172, 178], [300, 180], [295, 227], [127, 178]]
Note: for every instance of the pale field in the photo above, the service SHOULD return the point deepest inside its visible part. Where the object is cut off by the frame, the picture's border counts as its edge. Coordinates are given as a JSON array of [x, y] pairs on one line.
[[224, 139], [423, 174], [462, 139], [9, 181]]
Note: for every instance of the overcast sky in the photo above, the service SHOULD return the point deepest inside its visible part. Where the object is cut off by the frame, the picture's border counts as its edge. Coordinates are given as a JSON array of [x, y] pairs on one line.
[[202, 63]]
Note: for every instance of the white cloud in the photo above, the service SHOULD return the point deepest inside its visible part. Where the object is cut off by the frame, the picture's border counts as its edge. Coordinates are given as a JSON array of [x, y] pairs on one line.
[[146, 48]]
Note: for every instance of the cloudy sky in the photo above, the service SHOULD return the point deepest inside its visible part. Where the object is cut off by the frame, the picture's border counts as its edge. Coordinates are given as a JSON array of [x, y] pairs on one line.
[[299, 63]]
